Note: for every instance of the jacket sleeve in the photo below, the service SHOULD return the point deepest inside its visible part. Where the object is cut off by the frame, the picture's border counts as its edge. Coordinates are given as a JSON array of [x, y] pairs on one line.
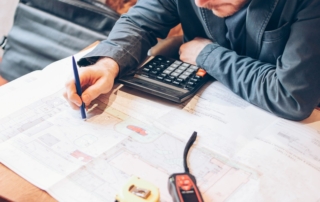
[[289, 89], [135, 33]]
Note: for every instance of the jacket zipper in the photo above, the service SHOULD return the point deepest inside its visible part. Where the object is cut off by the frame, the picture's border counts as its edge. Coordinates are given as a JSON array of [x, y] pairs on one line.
[[206, 24]]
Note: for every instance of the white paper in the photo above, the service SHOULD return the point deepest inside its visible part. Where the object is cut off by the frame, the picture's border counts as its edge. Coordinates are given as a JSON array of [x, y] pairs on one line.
[[242, 153]]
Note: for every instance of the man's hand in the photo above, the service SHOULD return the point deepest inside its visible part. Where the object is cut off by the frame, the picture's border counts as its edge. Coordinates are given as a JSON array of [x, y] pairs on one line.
[[95, 80], [189, 51]]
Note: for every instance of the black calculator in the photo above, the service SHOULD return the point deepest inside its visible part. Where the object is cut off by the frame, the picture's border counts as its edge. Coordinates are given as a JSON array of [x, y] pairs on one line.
[[167, 78]]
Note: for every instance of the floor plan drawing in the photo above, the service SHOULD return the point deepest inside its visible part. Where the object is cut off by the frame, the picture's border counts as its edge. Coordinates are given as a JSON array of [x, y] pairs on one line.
[[241, 153], [133, 156]]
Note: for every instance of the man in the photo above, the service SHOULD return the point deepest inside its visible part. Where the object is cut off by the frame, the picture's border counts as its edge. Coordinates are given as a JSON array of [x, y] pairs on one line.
[[266, 51]]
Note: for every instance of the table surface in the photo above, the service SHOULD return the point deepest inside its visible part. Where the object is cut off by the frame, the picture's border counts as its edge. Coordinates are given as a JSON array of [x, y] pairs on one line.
[[15, 188], [2, 80]]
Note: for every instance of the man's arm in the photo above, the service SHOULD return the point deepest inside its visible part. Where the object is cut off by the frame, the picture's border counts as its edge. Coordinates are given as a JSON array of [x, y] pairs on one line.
[[127, 46], [289, 89], [135, 33]]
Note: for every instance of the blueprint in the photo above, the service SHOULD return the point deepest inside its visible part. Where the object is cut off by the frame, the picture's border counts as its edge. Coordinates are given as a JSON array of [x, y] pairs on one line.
[[96, 157], [100, 180], [226, 122], [14, 85], [50, 134], [283, 155], [241, 154], [287, 156]]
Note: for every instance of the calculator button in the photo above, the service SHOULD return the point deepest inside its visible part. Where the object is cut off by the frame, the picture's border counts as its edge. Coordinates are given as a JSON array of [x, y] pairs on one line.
[[158, 69], [144, 75], [146, 69], [197, 77], [179, 80], [171, 77], [190, 83], [190, 86], [163, 75], [201, 72], [167, 71], [173, 66], [183, 77], [154, 72], [162, 66], [175, 74], [190, 70], [176, 83], [178, 71], [177, 62], [150, 66], [160, 77], [186, 73], [194, 67], [194, 80], [182, 68], [185, 65], [168, 80]]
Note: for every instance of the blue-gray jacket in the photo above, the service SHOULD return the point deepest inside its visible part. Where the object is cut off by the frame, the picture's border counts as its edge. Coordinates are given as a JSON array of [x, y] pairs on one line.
[[280, 71]]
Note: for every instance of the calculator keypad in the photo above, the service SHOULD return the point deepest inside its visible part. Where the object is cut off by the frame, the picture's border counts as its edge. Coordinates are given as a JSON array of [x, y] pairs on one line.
[[173, 72]]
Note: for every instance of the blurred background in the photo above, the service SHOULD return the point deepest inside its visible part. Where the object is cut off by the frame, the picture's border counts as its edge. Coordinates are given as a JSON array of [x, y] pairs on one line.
[[7, 8]]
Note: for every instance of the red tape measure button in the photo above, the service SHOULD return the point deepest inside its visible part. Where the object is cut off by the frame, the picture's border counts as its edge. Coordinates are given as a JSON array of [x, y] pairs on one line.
[[186, 187], [186, 182]]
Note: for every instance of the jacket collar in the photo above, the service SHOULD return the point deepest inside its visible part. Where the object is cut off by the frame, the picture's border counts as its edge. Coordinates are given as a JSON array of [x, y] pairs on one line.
[[258, 15], [218, 33]]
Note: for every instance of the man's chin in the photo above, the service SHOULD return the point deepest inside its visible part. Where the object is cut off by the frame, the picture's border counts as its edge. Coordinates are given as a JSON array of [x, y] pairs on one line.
[[224, 10], [223, 14]]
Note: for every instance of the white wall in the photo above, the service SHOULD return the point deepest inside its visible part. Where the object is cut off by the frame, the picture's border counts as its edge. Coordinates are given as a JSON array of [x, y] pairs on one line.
[[7, 9]]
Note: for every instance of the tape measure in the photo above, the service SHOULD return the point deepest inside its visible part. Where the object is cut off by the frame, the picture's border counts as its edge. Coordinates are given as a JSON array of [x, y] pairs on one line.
[[138, 190], [182, 186]]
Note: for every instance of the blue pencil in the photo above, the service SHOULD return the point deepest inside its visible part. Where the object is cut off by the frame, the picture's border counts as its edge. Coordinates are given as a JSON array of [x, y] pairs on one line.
[[78, 87]]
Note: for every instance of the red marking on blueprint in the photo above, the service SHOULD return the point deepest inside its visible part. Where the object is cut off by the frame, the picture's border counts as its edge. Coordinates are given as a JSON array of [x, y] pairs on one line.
[[81, 156], [138, 130]]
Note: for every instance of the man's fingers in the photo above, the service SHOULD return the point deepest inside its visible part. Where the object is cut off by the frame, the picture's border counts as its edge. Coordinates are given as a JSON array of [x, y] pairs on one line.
[[95, 80], [71, 94], [92, 92], [73, 106]]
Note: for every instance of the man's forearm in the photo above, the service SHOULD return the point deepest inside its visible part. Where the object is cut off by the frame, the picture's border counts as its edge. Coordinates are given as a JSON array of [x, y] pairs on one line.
[[257, 82], [135, 33]]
